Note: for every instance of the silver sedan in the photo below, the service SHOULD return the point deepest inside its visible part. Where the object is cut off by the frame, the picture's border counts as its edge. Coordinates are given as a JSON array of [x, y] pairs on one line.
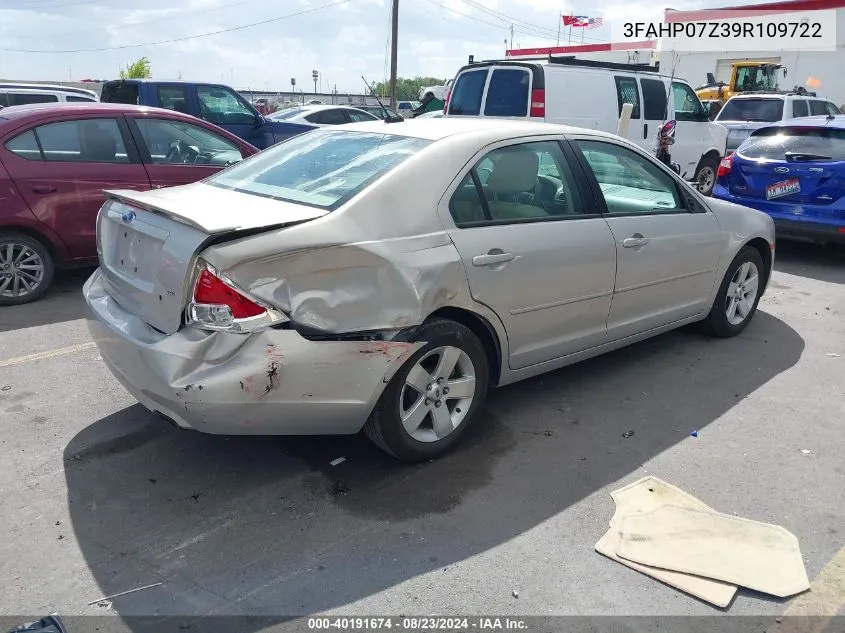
[[384, 275]]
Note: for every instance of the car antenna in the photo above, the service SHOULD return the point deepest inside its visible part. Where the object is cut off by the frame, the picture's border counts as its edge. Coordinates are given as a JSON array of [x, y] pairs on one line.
[[389, 118]]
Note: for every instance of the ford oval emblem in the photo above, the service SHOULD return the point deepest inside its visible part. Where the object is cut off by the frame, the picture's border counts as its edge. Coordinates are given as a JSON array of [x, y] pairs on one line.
[[128, 216], [781, 170]]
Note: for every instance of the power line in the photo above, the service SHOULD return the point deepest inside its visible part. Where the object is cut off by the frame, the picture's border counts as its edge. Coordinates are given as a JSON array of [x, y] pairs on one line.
[[178, 39]]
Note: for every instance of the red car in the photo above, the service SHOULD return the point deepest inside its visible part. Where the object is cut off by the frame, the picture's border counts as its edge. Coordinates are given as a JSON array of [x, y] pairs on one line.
[[55, 160]]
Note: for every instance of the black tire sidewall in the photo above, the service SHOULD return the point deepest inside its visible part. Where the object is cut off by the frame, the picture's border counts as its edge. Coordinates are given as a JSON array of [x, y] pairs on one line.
[[718, 318], [436, 333], [43, 253]]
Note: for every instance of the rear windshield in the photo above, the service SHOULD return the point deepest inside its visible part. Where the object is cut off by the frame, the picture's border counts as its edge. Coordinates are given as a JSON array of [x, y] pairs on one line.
[[323, 168], [764, 110], [120, 92], [507, 94], [467, 92], [797, 143]]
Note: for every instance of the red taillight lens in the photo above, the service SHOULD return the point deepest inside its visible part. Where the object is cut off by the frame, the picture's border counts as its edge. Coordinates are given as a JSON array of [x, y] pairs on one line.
[[538, 103], [212, 290], [725, 166]]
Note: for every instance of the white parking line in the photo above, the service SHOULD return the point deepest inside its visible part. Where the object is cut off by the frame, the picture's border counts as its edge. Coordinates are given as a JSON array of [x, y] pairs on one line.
[[48, 354]]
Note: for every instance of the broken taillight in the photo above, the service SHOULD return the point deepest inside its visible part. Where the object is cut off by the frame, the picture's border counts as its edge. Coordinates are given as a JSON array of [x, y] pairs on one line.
[[218, 305]]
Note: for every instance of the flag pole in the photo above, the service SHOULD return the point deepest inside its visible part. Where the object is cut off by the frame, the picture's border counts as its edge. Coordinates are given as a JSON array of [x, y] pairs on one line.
[[559, 20], [569, 37]]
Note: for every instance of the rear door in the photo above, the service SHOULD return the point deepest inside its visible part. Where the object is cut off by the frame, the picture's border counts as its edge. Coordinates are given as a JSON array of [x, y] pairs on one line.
[[655, 110], [628, 91], [63, 179], [175, 152], [502, 90]]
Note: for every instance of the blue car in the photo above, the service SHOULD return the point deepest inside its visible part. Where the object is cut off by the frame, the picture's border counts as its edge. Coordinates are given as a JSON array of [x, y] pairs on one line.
[[793, 170]]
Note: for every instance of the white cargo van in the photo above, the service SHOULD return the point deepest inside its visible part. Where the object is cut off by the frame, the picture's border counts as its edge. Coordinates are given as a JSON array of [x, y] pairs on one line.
[[590, 94]]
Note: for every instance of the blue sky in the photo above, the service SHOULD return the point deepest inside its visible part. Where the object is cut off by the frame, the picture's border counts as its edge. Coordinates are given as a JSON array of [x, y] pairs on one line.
[[343, 41]]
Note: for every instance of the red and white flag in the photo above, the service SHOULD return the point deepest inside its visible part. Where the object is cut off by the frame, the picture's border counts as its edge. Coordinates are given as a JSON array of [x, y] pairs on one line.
[[581, 21]]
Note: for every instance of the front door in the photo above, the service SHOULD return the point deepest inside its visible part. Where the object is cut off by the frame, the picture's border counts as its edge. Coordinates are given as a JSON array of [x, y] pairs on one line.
[[667, 243], [175, 152], [533, 251], [69, 164], [691, 133]]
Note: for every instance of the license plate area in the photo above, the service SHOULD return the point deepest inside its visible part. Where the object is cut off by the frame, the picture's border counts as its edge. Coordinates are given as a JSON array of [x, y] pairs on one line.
[[783, 188], [134, 251]]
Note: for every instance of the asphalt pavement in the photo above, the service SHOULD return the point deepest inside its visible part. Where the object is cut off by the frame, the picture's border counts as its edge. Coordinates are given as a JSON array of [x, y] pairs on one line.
[[100, 497]]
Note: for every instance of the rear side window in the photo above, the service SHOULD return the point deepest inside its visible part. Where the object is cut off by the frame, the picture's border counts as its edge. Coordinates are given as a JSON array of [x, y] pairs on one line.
[[654, 99], [120, 92], [24, 98], [507, 94], [799, 108], [818, 107], [328, 117], [173, 98], [759, 110], [466, 97], [796, 143], [87, 141], [72, 99], [627, 92]]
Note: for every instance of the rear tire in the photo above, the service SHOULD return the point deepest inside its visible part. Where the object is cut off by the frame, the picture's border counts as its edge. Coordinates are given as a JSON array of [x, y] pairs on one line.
[[435, 396], [705, 174], [735, 305], [26, 269]]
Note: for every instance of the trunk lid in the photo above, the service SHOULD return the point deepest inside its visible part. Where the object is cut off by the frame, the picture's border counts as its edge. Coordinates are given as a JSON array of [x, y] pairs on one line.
[[148, 242]]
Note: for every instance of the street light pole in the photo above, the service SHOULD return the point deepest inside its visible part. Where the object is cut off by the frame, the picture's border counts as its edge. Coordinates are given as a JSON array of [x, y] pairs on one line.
[[394, 49]]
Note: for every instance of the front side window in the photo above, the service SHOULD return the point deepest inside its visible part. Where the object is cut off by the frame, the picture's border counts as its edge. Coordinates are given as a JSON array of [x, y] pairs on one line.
[[466, 96], [687, 105], [508, 92], [813, 144], [221, 106], [359, 117], [525, 182], [818, 107], [25, 146], [322, 168], [627, 92], [173, 98], [832, 110], [177, 142], [84, 140], [332, 116], [27, 98], [629, 182]]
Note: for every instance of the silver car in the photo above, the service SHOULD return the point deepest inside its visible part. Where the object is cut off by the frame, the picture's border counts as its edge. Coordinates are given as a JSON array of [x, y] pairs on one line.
[[383, 276]]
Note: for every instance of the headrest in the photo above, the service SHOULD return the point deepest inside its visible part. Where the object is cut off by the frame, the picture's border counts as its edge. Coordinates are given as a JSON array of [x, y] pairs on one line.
[[514, 172]]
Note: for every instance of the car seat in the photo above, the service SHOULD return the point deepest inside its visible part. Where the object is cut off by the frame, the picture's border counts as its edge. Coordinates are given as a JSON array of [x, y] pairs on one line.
[[513, 177], [97, 144]]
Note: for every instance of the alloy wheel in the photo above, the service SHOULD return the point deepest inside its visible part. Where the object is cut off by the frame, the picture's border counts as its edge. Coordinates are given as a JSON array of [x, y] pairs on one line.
[[742, 293], [21, 270]]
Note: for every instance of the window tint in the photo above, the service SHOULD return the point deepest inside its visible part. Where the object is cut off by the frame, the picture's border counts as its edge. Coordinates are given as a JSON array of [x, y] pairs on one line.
[[818, 107], [173, 98], [221, 106], [73, 99], [177, 142], [120, 92], [26, 98], [627, 92], [507, 94], [630, 183], [360, 116], [654, 99], [332, 116], [4, 100], [530, 181], [86, 140], [778, 142], [799, 108], [25, 146], [467, 93], [323, 168], [687, 105], [752, 109]]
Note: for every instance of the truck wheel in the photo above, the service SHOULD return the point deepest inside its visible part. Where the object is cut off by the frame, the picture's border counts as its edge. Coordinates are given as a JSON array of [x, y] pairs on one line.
[[26, 269], [705, 174]]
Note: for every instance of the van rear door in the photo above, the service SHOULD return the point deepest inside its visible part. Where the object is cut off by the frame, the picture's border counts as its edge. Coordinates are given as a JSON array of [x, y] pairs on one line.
[[501, 90]]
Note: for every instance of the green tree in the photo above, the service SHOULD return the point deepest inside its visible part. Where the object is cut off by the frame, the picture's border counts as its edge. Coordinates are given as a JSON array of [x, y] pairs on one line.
[[139, 69], [407, 89]]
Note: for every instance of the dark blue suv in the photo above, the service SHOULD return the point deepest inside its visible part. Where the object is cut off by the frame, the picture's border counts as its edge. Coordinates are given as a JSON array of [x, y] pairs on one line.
[[217, 104]]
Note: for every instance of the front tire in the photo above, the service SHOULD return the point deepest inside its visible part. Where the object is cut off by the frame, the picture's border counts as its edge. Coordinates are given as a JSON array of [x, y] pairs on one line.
[[26, 269], [435, 396], [738, 296]]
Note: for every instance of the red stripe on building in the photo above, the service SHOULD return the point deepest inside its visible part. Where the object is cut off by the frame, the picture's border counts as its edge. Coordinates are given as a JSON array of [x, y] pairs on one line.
[[765, 8], [582, 48]]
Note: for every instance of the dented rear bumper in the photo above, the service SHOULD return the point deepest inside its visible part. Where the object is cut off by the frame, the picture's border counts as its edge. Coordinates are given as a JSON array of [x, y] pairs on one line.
[[273, 382]]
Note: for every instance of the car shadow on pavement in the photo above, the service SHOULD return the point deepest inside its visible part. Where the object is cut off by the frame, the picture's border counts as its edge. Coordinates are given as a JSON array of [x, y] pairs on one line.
[[268, 526], [824, 263], [62, 302]]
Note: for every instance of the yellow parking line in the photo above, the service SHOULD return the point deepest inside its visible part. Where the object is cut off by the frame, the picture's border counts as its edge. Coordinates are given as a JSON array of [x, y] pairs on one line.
[[48, 354], [825, 597]]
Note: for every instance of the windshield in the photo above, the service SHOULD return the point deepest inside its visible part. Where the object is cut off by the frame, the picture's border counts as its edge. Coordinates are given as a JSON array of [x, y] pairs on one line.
[[286, 114], [321, 168], [756, 78], [766, 110], [795, 143]]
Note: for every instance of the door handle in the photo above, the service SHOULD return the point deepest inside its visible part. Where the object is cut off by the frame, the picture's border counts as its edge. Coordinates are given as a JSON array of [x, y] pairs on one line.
[[492, 258], [43, 188], [645, 130], [634, 242]]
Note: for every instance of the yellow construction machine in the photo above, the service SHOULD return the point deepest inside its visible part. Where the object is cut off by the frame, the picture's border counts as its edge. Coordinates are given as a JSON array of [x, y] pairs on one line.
[[747, 76]]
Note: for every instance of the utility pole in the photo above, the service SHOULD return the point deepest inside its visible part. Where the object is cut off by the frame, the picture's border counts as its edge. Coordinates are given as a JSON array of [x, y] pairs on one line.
[[394, 50], [511, 36]]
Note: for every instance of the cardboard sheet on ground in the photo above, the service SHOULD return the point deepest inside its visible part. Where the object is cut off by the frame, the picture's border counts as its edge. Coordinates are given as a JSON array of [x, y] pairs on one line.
[[748, 553], [646, 495]]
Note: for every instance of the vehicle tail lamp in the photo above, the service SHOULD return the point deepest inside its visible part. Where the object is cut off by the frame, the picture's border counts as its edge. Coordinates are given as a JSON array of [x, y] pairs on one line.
[[725, 165], [538, 103]]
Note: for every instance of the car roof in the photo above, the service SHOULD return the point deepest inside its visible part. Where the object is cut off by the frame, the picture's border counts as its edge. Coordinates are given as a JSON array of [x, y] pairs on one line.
[[435, 129], [43, 110], [819, 120]]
